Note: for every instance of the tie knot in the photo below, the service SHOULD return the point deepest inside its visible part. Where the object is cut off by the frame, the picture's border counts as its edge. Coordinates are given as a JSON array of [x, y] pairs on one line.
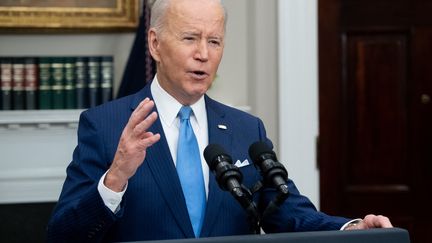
[[185, 112]]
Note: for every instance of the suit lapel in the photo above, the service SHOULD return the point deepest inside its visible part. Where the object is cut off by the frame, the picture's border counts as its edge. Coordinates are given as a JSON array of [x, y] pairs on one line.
[[223, 137], [164, 172]]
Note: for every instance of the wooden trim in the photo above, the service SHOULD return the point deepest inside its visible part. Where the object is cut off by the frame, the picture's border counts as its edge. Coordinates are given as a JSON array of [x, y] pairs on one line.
[[124, 16]]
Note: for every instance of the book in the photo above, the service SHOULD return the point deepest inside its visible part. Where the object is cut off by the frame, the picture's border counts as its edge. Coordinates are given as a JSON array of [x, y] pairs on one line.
[[47, 82], [6, 83], [69, 83], [107, 76], [81, 82], [94, 77], [45, 93], [18, 84], [57, 83], [30, 83]]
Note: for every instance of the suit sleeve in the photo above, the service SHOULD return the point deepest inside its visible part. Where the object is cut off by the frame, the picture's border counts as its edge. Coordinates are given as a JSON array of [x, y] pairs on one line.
[[297, 213], [80, 214]]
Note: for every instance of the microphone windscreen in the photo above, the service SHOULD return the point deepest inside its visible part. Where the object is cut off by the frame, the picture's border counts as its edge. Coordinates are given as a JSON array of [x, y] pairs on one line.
[[211, 152], [257, 149]]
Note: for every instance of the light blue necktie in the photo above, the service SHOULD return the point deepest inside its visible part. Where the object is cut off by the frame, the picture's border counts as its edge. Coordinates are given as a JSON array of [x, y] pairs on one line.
[[189, 170]]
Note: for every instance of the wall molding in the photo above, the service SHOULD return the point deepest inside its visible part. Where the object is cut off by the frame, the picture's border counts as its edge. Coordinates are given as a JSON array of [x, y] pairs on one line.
[[31, 185]]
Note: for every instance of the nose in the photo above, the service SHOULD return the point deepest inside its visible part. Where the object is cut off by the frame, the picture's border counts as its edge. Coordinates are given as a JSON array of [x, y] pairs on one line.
[[201, 53]]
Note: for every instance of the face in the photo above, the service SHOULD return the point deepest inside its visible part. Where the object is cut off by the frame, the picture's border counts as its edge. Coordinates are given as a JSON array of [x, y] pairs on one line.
[[189, 48]]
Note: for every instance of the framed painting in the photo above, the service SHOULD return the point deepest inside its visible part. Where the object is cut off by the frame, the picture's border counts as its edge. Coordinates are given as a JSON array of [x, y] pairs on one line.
[[90, 15]]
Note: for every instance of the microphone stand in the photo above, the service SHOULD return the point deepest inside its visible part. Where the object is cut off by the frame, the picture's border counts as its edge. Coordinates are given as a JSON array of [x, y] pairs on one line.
[[244, 197], [275, 204], [242, 194]]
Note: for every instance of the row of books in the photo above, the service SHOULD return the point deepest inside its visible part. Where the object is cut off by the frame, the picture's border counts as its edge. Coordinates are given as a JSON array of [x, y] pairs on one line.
[[71, 82]]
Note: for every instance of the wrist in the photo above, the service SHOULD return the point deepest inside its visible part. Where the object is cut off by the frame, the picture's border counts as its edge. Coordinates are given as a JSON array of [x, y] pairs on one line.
[[351, 225], [114, 182]]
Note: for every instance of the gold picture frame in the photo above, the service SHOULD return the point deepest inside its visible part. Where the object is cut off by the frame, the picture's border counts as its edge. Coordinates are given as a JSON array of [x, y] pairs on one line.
[[69, 15]]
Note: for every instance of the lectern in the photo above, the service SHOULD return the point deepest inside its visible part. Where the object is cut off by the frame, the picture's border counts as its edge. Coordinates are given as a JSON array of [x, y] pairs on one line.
[[393, 235]]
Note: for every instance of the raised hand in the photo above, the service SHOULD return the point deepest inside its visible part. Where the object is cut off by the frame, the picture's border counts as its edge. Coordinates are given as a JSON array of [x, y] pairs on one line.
[[132, 147]]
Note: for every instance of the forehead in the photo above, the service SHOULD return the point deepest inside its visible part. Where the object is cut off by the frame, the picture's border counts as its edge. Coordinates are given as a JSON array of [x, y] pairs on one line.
[[195, 14]]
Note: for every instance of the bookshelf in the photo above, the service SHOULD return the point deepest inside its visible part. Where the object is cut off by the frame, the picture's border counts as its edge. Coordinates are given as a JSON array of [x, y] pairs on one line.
[[38, 118], [36, 147], [38, 125]]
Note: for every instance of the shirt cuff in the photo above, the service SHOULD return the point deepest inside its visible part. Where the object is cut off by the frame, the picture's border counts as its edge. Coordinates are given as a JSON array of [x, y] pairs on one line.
[[110, 198], [351, 222]]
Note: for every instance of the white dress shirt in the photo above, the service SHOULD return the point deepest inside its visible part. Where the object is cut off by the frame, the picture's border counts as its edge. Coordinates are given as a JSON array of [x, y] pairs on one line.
[[168, 108]]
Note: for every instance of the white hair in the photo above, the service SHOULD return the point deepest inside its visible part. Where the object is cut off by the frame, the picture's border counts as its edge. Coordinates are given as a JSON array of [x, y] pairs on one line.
[[159, 9]]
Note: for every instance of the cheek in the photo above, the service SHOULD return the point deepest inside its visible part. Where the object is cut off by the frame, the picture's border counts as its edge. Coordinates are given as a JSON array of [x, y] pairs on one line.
[[173, 56], [178, 62], [217, 59]]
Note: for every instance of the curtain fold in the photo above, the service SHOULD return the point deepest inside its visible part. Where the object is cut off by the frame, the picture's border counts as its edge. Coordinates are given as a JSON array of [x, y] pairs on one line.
[[140, 67]]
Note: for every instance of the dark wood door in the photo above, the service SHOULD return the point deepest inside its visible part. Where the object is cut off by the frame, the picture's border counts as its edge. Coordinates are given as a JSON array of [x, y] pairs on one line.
[[375, 86]]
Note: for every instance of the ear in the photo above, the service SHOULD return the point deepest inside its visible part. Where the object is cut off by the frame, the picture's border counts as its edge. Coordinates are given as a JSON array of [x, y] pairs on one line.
[[153, 44]]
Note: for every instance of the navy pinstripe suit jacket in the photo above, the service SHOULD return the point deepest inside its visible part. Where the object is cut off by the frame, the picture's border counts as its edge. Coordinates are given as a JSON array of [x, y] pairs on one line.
[[153, 206]]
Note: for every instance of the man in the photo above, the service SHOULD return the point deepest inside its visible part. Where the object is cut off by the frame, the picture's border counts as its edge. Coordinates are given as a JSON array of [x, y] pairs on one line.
[[124, 182]]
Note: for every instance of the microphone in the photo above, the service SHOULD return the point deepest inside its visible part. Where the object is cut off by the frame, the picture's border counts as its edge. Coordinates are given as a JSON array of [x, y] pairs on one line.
[[273, 172], [228, 175], [230, 179]]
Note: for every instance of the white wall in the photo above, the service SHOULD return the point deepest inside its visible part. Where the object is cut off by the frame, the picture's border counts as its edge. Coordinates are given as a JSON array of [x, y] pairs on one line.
[[247, 76], [298, 93], [262, 65], [231, 83]]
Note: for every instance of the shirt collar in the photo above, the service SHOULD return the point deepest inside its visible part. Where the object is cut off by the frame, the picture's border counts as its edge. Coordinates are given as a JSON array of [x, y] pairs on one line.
[[168, 107]]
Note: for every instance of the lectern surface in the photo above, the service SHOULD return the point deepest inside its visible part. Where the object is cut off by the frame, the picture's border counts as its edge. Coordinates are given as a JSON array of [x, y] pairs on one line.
[[393, 235]]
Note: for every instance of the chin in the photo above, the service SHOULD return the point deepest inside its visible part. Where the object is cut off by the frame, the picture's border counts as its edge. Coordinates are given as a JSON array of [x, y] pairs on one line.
[[197, 93], [200, 88]]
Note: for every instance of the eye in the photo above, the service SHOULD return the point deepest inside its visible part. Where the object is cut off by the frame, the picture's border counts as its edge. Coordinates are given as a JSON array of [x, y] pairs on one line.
[[215, 42], [188, 38]]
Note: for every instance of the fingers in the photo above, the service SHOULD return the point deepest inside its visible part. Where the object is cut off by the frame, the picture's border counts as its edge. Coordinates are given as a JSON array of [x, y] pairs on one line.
[[383, 222], [141, 120], [141, 128], [149, 139], [377, 221], [140, 113], [136, 133]]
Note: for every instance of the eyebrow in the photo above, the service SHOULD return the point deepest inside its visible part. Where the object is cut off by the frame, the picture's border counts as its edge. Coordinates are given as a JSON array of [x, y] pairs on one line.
[[197, 34], [190, 33]]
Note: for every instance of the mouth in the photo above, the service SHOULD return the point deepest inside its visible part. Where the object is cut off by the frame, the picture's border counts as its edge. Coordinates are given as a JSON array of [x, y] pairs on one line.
[[199, 74]]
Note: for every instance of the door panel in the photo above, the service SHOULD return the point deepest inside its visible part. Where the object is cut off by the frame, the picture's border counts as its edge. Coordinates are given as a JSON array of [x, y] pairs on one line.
[[375, 93], [421, 136], [376, 96]]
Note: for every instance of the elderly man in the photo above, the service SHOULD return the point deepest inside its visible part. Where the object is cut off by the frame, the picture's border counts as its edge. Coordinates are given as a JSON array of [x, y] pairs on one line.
[[138, 172]]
